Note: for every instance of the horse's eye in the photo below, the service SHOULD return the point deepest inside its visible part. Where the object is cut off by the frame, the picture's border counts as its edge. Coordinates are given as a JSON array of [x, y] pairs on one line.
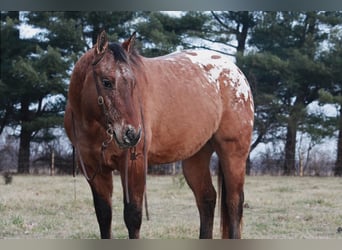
[[107, 84]]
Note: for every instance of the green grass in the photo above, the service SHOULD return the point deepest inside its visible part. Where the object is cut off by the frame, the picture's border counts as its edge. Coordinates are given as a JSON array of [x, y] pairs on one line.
[[61, 207]]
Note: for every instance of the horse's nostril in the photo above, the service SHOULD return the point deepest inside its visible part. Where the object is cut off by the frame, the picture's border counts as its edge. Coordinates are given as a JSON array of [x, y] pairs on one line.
[[132, 136], [130, 133]]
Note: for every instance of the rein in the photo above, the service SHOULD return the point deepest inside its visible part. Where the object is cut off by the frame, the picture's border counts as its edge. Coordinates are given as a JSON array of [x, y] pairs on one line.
[[84, 171], [109, 132]]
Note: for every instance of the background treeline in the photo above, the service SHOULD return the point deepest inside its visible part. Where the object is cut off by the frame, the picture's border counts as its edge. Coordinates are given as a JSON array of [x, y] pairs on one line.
[[293, 61]]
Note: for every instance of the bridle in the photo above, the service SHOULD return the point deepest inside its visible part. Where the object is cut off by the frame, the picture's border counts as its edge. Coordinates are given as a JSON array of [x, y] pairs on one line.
[[109, 129], [130, 156], [101, 103]]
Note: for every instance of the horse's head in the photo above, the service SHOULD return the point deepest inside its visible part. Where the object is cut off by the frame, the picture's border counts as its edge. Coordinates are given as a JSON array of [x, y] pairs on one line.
[[115, 83]]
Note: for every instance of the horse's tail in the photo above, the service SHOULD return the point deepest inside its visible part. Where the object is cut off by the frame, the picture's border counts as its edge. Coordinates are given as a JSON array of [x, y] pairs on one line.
[[222, 193]]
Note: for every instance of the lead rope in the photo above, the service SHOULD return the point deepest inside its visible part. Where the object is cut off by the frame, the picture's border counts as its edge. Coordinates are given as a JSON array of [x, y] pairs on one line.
[[145, 192], [133, 157], [126, 179], [145, 158]]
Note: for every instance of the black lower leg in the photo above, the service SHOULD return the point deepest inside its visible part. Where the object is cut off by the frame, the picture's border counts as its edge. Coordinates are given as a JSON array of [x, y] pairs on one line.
[[236, 217], [207, 219], [103, 213], [207, 210], [133, 217]]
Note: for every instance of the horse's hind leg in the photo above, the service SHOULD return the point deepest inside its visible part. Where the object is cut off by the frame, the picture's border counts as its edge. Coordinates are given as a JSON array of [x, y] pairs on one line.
[[232, 155], [197, 174]]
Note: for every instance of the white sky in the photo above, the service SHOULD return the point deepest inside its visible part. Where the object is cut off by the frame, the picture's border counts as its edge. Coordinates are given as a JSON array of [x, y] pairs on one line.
[[26, 31]]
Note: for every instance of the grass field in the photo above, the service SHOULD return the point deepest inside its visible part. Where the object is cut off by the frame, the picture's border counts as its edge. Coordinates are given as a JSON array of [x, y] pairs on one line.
[[61, 207]]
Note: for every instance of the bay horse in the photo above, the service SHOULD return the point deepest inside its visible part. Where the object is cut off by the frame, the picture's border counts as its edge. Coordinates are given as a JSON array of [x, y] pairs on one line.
[[126, 112]]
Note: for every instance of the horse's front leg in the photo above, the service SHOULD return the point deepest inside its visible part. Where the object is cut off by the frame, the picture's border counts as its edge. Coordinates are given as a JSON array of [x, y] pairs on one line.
[[102, 189], [133, 188]]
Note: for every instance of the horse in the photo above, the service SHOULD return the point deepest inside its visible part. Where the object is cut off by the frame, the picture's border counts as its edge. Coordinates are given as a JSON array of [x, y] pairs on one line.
[[126, 112]]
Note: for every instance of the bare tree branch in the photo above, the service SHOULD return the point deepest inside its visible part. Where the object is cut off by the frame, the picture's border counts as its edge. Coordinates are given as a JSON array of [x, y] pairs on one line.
[[216, 50], [218, 19], [215, 41]]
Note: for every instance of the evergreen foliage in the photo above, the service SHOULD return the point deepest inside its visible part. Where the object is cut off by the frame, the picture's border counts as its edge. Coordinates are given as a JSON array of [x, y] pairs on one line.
[[292, 59]]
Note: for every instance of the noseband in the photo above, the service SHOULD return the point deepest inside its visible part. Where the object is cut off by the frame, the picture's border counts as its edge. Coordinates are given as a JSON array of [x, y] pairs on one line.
[[101, 103]]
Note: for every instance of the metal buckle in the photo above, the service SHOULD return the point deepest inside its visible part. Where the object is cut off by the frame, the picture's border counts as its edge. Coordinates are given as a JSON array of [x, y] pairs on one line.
[[100, 100], [110, 131]]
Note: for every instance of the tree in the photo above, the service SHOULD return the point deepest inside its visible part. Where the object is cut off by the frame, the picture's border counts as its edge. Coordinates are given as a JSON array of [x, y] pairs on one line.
[[235, 25], [231, 29], [34, 71], [290, 70], [11, 46], [34, 87], [333, 95], [161, 33]]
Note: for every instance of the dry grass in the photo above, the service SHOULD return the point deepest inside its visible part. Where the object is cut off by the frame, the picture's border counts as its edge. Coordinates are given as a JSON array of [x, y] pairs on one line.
[[275, 207]]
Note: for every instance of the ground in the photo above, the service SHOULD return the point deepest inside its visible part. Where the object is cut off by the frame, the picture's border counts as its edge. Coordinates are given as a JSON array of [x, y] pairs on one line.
[[61, 207]]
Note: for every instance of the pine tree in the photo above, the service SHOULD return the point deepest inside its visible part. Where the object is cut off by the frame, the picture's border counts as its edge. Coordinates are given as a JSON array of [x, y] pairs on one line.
[[160, 33], [288, 68], [233, 26], [34, 86], [333, 60]]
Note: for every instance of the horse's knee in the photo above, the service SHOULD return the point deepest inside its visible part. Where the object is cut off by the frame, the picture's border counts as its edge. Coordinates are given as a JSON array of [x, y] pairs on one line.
[[133, 218]]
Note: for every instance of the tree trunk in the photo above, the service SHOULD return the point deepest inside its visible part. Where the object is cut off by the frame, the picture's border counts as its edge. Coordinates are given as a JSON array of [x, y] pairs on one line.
[[291, 136], [296, 114], [25, 139], [242, 35], [338, 164], [290, 148], [52, 169], [24, 151]]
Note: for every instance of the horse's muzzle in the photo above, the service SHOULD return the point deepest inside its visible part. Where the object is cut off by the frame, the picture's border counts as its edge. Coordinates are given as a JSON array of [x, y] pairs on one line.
[[130, 137]]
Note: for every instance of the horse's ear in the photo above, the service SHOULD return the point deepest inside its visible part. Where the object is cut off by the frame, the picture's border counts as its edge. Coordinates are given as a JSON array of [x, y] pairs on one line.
[[129, 43], [102, 43]]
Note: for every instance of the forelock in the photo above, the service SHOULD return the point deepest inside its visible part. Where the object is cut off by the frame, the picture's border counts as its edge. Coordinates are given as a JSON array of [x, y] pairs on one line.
[[118, 52]]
